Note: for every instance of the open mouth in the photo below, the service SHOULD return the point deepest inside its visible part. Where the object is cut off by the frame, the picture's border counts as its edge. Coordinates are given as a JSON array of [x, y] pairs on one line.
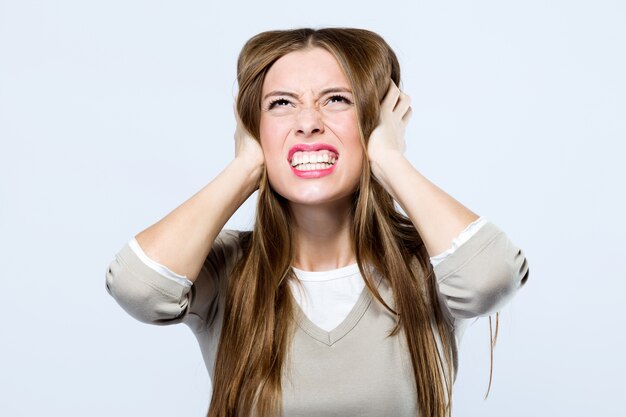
[[312, 156], [309, 161]]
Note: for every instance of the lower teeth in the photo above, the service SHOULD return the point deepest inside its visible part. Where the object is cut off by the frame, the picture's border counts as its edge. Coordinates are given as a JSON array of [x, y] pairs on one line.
[[311, 167]]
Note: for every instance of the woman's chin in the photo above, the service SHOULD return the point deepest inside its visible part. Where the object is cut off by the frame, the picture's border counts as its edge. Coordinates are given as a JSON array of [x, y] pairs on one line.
[[318, 199]]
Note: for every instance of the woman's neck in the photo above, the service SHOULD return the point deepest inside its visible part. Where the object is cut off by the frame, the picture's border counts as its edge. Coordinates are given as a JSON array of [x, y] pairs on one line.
[[322, 236]]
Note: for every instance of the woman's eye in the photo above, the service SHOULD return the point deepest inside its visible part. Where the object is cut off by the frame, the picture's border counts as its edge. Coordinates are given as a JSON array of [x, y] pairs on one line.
[[281, 102], [339, 99]]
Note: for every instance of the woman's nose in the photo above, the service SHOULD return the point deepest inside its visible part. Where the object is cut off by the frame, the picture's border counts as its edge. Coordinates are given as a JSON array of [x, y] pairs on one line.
[[309, 122]]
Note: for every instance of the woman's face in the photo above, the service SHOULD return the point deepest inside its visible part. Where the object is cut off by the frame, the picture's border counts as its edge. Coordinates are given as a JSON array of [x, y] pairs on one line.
[[308, 129]]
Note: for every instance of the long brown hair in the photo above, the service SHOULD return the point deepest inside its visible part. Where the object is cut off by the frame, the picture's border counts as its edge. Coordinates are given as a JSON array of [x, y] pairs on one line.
[[258, 317]]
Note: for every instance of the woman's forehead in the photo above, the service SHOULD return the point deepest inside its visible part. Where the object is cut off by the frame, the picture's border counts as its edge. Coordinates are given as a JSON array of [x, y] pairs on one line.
[[313, 69]]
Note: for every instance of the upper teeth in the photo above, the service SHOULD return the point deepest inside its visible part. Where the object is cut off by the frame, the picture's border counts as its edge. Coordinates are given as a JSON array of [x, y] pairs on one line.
[[313, 157]]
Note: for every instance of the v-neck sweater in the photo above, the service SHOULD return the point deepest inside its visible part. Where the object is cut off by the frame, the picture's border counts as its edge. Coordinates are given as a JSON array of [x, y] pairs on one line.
[[354, 369]]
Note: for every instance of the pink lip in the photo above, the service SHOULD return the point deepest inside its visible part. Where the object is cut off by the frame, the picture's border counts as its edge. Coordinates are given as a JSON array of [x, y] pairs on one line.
[[303, 147]]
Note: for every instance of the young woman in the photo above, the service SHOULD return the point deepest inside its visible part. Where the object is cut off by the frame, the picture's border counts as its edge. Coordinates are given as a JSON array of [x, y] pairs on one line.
[[336, 304]]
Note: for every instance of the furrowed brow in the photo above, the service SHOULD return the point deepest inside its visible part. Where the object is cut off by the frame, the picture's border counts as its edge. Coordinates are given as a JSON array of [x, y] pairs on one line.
[[335, 90], [296, 96], [280, 93]]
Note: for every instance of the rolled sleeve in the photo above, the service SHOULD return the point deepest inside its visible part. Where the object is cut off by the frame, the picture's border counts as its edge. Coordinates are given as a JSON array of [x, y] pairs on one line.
[[151, 296], [463, 237], [144, 293], [482, 275]]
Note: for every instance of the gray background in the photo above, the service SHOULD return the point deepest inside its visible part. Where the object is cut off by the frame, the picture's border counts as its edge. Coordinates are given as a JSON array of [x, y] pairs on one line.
[[113, 113]]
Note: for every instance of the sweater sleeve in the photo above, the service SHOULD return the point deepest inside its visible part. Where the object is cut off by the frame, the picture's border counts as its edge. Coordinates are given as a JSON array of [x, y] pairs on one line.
[[463, 237], [482, 275], [161, 269], [152, 298]]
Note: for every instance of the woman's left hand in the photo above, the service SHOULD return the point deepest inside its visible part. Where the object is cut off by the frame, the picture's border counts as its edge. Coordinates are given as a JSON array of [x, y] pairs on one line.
[[388, 137]]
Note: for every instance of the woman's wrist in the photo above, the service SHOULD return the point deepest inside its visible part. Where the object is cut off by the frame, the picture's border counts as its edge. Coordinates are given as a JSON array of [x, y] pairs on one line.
[[383, 166], [250, 171]]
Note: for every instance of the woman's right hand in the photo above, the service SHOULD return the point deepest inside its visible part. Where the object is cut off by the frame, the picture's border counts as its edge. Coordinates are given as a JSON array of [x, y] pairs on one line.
[[182, 239], [247, 148]]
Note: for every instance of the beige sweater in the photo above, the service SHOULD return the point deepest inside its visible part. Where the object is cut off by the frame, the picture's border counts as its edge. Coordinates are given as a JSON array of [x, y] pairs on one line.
[[353, 369]]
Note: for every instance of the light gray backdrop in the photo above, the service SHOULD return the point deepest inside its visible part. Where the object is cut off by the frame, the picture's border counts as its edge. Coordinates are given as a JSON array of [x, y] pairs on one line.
[[113, 113]]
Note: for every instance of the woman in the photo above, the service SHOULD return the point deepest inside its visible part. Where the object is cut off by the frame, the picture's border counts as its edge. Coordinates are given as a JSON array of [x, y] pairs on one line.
[[336, 303]]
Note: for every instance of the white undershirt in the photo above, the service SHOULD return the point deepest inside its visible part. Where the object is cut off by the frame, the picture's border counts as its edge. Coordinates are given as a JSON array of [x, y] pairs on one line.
[[329, 295]]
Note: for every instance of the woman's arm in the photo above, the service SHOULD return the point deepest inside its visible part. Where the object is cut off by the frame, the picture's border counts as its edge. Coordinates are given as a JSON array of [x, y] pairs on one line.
[[182, 240], [485, 271], [438, 217]]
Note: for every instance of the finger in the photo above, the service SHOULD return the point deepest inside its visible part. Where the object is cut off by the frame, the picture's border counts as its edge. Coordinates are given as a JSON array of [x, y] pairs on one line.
[[235, 111], [391, 97], [407, 115], [404, 102]]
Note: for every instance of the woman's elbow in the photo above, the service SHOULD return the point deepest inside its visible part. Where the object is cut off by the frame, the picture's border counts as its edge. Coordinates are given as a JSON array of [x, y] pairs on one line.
[[501, 281], [487, 281], [142, 299]]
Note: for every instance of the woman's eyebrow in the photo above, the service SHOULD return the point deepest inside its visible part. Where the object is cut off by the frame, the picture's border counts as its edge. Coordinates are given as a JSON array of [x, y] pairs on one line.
[[280, 93], [335, 90], [296, 96]]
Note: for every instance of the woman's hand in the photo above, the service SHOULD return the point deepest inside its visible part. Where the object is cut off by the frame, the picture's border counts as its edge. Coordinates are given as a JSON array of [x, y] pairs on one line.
[[387, 138], [437, 216], [247, 148]]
